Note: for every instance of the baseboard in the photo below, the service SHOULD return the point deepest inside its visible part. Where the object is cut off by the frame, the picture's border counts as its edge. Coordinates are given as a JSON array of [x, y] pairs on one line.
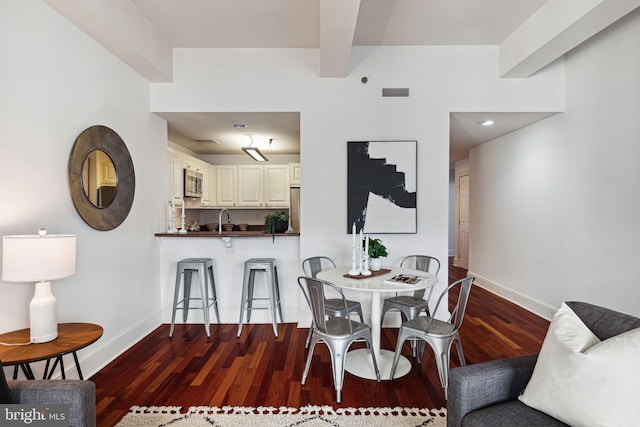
[[100, 354], [539, 308]]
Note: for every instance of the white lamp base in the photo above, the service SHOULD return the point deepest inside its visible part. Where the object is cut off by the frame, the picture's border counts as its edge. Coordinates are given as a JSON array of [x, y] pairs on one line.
[[42, 314]]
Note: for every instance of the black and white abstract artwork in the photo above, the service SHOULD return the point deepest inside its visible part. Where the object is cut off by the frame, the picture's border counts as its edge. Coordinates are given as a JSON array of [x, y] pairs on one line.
[[382, 186]]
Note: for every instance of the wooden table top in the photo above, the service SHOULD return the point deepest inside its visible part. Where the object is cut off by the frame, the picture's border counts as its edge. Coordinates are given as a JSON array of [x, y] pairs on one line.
[[71, 337]]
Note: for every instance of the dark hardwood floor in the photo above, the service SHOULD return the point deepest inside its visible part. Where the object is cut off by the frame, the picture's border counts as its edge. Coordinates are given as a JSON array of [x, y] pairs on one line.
[[259, 370]]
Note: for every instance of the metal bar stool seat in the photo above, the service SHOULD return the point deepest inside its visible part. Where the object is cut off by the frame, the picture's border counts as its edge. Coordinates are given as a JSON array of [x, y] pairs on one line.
[[251, 266], [203, 267]]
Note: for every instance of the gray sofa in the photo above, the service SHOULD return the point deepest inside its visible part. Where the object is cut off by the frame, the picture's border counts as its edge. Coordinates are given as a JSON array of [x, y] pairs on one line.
[[80, 396], [486, 394]]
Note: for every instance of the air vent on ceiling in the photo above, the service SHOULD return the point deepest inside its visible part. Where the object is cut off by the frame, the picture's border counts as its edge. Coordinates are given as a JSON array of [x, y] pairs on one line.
[[206, 141], [395, 92]]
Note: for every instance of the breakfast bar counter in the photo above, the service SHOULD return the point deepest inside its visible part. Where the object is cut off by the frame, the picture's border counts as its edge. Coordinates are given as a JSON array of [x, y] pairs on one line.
[[229, 250], [215, 234]]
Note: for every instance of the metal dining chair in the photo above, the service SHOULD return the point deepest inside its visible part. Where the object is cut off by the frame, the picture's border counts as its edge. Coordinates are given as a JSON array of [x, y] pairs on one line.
[[438, 333], [333, 306], [338, 333], [411, 306]]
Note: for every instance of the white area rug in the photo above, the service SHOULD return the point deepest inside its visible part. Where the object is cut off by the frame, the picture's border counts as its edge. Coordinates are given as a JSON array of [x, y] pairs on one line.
[[308, 416]]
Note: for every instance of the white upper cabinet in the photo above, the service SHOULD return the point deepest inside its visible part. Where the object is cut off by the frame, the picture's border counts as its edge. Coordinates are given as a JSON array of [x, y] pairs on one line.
[[250, 185], [294, 173], [226, 185], [263, 186], [276, 186], [175, 161], [209, 190]]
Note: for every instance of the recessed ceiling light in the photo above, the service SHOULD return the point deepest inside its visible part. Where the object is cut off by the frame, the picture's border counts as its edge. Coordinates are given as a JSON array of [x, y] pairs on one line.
[[239, 126], [485, 123]]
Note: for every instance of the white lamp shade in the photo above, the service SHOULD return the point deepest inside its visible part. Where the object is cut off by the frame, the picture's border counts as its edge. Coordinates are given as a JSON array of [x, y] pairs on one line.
[[32, 258]]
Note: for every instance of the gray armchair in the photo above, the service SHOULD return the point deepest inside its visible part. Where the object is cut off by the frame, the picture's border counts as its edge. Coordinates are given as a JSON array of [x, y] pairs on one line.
[[486, 394], [78, 394]]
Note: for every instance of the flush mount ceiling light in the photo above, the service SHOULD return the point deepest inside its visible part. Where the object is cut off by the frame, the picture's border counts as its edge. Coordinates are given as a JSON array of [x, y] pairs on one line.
[[253, 152], [485, 123]]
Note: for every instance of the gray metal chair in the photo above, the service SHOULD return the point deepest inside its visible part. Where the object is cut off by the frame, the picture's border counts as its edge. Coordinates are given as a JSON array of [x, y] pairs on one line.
[[334, 307], [411, 306], [338, 333], [439, 334]]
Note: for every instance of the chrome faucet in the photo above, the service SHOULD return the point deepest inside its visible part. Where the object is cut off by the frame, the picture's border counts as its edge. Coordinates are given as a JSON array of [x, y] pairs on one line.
[[220, 219]]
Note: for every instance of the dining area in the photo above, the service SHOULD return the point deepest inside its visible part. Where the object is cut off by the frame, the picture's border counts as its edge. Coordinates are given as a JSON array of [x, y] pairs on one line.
[[407, 288]]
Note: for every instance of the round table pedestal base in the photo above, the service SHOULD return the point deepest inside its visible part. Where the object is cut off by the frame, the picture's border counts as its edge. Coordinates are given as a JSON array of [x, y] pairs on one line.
[[359, 363]]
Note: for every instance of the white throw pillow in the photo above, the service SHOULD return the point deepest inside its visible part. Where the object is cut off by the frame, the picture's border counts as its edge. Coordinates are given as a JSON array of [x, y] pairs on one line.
[[583, 381]]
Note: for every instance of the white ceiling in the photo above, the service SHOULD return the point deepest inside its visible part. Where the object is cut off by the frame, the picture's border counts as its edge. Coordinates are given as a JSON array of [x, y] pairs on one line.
[[298, 24]]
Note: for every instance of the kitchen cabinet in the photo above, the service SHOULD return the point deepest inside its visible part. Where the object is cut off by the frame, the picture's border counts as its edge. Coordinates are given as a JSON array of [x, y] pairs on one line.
[[193, 163], [263, 186], [294, 174], [226, 185], [208, 186], [175, 163], [250, 185], [276, 186]]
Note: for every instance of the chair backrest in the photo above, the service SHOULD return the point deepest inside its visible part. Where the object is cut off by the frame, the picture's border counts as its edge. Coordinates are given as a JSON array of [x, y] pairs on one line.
[[312, 266], [457, 313], [314, 292], [424, 263]]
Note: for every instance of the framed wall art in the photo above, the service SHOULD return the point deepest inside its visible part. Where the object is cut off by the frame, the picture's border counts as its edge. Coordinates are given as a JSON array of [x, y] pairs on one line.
[[382, 186]]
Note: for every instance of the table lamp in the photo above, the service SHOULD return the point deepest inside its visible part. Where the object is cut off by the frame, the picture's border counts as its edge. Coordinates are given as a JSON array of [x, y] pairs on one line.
[[39, 258]]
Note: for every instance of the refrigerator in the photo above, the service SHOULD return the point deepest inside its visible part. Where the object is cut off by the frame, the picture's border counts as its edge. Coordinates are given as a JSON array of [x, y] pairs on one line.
[[294, 208]]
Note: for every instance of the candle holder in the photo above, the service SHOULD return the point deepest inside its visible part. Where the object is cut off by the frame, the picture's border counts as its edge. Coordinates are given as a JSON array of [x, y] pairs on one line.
[[365, 270], [354, 258], [172, 219], [182, 230]]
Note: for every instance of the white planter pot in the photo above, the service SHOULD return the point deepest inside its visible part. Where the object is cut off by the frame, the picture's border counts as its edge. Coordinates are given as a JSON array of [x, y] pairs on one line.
[[375, 264]]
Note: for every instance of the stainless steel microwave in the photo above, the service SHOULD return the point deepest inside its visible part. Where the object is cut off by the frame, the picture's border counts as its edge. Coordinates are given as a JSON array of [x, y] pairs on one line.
[[192, 183]]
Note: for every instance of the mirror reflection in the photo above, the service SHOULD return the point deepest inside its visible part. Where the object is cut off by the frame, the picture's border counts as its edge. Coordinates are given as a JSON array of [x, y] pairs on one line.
[[99, 178]]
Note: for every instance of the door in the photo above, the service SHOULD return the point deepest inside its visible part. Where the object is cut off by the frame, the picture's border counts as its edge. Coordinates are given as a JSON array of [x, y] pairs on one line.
[[463, 222]]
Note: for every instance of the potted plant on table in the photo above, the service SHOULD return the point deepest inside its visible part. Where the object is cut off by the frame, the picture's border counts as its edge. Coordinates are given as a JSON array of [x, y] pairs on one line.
[[276, 223], [376, 251]]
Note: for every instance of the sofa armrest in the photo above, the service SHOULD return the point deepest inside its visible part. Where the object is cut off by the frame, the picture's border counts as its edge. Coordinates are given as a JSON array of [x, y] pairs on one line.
[[79, 395], [484, 384]]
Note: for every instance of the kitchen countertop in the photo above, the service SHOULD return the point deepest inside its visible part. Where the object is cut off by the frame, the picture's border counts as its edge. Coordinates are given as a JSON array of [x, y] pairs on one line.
[[225, 234]]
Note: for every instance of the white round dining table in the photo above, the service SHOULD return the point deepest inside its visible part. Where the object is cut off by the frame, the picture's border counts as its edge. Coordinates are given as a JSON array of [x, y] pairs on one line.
[[359, 361]]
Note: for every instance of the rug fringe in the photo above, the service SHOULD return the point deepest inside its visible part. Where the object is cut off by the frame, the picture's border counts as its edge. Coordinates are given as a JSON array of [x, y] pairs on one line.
[[305, 410]]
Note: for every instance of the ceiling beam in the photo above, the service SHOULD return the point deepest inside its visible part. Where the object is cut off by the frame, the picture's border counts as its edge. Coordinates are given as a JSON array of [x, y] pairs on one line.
[[338, 20], [555, 29], [121, 29]]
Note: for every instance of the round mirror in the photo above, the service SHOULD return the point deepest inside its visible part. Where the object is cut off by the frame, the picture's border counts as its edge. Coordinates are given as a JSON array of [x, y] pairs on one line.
[[101, 178]]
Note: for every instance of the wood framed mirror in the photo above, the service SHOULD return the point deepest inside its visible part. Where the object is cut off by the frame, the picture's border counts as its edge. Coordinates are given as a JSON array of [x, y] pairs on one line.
[[101, 178]]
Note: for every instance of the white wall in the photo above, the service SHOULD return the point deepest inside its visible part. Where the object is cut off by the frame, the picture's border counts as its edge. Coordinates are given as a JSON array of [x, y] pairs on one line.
[[334, 111], [554, 207], [54, 83]]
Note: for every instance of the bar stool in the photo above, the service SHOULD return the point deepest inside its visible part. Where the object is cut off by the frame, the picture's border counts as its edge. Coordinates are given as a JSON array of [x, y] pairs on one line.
[[204, 268], [251, 266]]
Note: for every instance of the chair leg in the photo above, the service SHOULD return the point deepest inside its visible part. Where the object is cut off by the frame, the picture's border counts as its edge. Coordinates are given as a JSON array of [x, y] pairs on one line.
[[396, 356], [442, 349], [373, 357], [306, 344], [175, 302], [314, 340], [338, 353], [463, 362], [204, 295], [188, 275], [214, 295]]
